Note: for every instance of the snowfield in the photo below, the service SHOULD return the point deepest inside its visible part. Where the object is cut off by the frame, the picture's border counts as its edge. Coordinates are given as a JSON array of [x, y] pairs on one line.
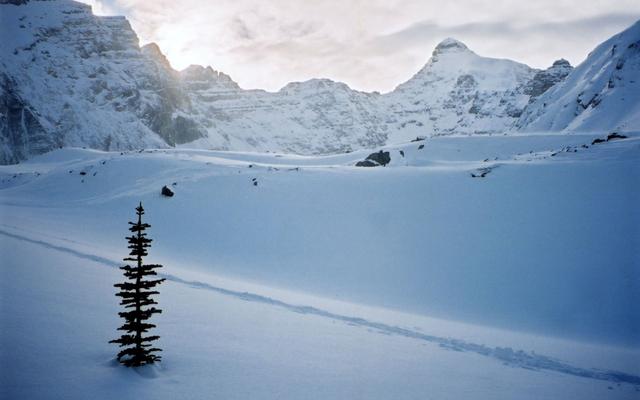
[[296, 277]]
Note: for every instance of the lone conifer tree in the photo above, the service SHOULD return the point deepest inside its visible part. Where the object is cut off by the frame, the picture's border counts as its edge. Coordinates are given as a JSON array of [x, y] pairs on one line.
[[136, 299]]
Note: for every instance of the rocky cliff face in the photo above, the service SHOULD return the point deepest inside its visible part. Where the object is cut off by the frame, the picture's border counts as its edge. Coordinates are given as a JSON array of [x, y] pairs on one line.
[[85, 81], [69, 78], [21, 134], [544, 80]]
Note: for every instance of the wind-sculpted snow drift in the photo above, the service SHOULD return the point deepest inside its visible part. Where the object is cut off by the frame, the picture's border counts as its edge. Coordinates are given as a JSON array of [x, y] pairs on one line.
[[111, 94], [547, 223]]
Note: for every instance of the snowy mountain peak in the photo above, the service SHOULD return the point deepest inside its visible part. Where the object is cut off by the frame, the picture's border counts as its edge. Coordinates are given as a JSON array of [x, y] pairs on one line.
[[458, 91], [117, 95], [450, 45]]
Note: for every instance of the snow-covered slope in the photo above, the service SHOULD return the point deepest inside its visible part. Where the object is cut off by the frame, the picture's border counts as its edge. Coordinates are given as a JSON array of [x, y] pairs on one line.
[[544, 244], [421, 234], [602, 93]]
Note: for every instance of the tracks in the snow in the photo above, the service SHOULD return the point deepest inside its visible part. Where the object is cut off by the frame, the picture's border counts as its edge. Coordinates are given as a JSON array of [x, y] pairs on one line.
[[515, 358]]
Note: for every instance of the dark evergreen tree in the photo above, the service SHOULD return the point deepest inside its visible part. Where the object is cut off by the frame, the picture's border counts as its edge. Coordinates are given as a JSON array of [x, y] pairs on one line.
[[136, 298]]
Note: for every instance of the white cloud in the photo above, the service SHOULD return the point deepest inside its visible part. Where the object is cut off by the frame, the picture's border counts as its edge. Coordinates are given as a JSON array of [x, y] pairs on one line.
[[369, 44]]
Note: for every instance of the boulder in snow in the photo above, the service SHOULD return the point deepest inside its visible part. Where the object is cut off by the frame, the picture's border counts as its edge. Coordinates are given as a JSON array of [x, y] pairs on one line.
[[166, 191], [375, 159], [366, 163]]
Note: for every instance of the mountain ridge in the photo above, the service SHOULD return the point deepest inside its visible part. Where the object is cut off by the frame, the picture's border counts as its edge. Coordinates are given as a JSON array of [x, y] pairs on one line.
[[603, 92], [119, 95]]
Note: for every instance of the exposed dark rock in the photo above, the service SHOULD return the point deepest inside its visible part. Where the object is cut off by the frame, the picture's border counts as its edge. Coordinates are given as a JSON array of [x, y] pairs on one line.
[[466, 81], [166, 191], [597, 140], [481, 173], [545, 79], [421, 147], [449, 45], [402, 153], [418, 139], [366, 163], [14, 2], [614, 136], [375, 159], [176, 130], [382, 157]]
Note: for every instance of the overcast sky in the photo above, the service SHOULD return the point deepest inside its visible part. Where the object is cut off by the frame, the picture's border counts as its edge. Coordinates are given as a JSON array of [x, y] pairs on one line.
[[369, 44]]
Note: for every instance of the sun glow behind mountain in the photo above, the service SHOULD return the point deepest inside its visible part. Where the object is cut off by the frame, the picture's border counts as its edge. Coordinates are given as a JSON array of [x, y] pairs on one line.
[[373, 45], [171, 39]]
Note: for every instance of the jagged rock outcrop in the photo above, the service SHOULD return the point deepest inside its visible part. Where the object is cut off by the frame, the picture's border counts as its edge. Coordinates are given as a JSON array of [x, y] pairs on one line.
[[198, 78], [545, 79]]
